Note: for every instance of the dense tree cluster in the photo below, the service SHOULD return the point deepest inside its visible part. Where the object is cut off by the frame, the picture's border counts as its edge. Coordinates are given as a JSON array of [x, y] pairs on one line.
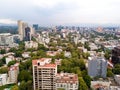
[[116, 69]]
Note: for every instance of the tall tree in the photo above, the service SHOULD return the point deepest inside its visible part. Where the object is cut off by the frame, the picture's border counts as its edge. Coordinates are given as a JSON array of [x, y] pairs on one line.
[[82, 84], [87, 80], [23, 86]]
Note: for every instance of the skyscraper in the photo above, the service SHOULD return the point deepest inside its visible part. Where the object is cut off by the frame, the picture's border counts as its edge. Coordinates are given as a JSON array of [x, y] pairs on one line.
[[44, 74], [25, 31], [27, 34], [35, 26], [21, 28]]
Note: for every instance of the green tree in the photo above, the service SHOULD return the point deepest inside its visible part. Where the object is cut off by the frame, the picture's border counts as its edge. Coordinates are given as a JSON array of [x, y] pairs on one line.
[[24, 75], [3, 70], [87, 80], [18, 53], [116, 69], [21, 46], [82, 64], [3, 60], [109, 73], [60, 89], [42, 47], [23, 86], [11, 63], [2, 51], [13, 49], [29, 85], [86, 45], [15, 87], [107, 55], [86, 55], [77, 71], [82, 84]]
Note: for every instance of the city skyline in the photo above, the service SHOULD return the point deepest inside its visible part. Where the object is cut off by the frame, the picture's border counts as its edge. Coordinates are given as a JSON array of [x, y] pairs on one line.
[[60, 12]]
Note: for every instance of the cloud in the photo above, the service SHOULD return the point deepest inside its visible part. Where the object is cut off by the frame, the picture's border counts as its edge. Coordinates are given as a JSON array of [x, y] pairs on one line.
[[50, 3], [7, 21], [47, 12]]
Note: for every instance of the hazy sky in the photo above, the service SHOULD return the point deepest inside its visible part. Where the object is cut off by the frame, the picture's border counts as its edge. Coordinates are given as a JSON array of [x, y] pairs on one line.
[[60, 12]]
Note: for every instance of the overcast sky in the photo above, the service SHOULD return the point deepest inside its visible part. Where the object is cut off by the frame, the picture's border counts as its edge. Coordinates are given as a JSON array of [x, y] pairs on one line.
[[60, 12]]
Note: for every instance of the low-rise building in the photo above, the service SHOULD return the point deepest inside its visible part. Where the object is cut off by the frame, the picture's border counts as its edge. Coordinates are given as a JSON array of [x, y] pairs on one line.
[[93, 46], [100, 85], [9, 58], [67, 54], [52, 53], [114, 88], [58, 61], [67, 81], [117, 79], [26, 55], [31, 44], [3, 79], [13, 73]]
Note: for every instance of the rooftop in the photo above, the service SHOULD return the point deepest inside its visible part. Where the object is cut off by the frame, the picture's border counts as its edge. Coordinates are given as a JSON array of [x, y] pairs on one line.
[[43, 62], [67, 78]]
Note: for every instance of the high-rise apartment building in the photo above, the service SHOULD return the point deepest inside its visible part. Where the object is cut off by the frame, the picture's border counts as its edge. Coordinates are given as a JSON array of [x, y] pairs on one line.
[[27, 34], [25, 31], [97, 66], [20, 29], [44, 74]]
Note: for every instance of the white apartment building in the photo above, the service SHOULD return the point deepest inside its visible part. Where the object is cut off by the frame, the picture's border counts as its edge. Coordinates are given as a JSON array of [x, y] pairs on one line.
[[9, 58], [44, 74], [31, 44], [13, 73], [67, 81], [3, 79], [7, 39]]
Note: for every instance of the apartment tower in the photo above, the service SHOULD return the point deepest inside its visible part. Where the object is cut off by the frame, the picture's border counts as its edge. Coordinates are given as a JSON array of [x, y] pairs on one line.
[[44, 74]]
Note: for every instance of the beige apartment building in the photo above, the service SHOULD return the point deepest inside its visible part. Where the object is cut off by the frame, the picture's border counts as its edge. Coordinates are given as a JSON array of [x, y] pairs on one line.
[[44, 74]]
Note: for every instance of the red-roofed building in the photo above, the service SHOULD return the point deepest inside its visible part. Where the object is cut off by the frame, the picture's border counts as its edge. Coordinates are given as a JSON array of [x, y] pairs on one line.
[[44, 74], [67, 81]]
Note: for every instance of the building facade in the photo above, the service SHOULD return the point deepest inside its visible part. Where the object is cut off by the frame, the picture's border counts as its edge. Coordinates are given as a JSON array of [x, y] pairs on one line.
[[44, 74], [25, 31], [97, 66], [67, 81], [27, 34], [31, 44], [116, 55], [21, 29], [3, 79], [13, 73], [35, 26], [117, 79]]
